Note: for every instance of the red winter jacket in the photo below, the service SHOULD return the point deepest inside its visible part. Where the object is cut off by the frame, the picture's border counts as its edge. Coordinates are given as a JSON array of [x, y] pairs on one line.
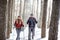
[[18, 23]]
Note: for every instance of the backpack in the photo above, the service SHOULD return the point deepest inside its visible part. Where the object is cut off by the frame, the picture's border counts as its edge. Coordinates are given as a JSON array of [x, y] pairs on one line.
[[18, 23], [32, 21]]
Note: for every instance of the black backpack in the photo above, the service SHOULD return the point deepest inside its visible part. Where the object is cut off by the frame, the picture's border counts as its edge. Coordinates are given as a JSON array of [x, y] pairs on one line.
[[32, 21]]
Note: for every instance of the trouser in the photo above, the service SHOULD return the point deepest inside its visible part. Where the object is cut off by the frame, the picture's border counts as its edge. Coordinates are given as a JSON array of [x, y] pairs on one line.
[[18, 33], [31, 30]]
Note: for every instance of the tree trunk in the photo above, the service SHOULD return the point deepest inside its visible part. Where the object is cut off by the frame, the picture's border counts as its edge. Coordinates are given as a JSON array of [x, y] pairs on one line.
[[49, 12], [11, 8], [43, 30], [9, 18], [23, 10], [53, 31], [41, 14], [39, 4], [2, 19], [20, 8], [8, 27]]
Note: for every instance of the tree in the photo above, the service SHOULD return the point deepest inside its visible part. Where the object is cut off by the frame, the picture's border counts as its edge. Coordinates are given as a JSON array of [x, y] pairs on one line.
[[41, 14], [3, 4], [9, 18], [43, 30], [53, 31]]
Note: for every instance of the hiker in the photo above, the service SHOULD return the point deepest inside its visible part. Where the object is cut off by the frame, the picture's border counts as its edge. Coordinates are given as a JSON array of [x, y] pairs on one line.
[[18, 24], [31, 22]]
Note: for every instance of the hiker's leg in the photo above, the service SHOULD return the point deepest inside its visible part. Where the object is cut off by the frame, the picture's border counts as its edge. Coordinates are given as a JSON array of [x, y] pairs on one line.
[[33, 32], [29, 35], [18, 33]]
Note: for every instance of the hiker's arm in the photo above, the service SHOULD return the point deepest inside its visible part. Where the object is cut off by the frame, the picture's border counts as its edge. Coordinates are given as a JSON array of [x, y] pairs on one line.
[[36, 21], [22, 23], [28, 21], [15, 23]]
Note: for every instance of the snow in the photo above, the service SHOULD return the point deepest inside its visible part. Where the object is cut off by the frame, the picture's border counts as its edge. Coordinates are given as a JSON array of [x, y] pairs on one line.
[[24, 34]]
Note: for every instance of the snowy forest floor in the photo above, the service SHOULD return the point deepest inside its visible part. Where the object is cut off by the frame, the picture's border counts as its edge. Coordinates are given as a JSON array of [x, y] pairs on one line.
[[24, 34]]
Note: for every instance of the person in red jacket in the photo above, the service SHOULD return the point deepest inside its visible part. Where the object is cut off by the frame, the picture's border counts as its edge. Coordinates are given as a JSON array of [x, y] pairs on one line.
[[18, 24]]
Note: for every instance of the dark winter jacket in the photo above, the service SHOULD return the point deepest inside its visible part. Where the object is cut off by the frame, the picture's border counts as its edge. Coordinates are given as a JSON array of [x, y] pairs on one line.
[[31, 22]]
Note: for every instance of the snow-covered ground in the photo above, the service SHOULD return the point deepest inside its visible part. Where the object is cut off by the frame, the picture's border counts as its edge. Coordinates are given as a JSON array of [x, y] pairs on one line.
[[24, 34]]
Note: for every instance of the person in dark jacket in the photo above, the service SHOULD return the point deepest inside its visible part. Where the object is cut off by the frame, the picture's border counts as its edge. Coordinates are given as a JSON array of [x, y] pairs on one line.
[[18, 24], [31, 22]]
